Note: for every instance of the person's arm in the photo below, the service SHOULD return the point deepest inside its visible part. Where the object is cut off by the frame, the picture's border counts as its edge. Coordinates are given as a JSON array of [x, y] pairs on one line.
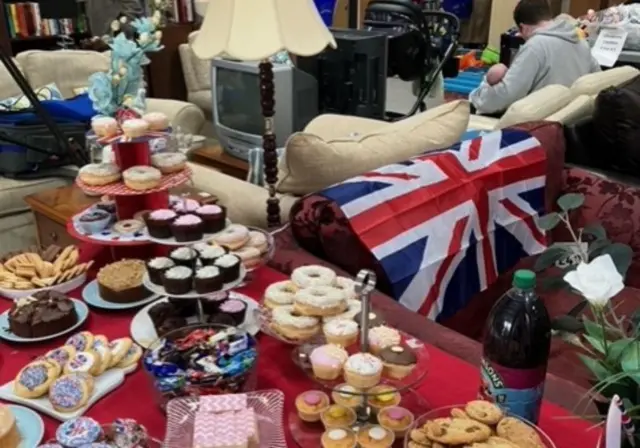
[[516, 84], [595, 67]]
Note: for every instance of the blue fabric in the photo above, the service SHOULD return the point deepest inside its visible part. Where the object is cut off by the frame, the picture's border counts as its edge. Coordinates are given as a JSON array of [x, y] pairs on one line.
[[460, 8], [77, 109]]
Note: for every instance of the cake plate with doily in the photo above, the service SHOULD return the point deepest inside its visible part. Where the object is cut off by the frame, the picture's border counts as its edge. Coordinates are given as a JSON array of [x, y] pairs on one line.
[[206, 237], [359, 407]]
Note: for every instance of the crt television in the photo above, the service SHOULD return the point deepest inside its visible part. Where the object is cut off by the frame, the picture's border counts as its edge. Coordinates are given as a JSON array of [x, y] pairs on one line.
[[237, 117]]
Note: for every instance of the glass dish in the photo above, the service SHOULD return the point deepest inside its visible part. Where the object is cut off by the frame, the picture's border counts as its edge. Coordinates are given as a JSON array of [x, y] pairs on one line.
[[445, 411], [268, 254]]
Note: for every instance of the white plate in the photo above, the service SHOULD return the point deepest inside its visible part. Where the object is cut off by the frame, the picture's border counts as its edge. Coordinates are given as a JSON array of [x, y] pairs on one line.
[[104, 384], [91, 295], [172, 241], [193, 295], [144, 333], [81, 309], [62, 287], [30, 426]]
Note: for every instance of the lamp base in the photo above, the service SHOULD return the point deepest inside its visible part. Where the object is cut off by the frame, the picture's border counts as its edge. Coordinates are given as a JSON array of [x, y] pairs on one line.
[[269, 147]]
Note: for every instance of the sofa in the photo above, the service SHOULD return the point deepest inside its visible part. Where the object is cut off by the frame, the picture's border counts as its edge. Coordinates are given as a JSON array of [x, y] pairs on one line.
[[69, 70]]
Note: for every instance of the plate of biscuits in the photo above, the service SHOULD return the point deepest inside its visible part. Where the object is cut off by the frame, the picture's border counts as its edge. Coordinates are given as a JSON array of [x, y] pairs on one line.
[[25, 273]]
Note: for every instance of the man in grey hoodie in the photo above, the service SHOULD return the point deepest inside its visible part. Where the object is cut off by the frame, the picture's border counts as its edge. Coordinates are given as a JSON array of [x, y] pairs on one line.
[[554, 53]]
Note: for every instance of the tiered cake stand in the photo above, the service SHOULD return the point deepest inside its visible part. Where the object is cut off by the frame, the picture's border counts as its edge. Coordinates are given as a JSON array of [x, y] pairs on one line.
[[309, 434]]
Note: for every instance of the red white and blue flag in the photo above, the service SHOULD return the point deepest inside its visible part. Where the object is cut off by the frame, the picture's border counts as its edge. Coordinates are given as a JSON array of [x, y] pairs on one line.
[[445, 224]]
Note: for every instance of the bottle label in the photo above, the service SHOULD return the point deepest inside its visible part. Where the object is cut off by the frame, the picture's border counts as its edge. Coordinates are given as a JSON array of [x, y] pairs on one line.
[[519, 391]]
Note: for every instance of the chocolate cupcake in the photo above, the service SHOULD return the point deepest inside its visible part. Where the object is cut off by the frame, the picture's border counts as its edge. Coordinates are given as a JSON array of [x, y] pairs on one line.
[[211, 305], [375, 319], [208, 255], [157, 266], [159, 223], [234, 308], [184, 256], [207, 280], [213, 216], [185, 206], [178, 280], [229, 267], [398, 361], [187, 228], [184, 307]]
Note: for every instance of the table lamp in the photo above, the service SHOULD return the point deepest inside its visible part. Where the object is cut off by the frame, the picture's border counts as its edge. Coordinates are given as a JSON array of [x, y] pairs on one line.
[[254, 30]]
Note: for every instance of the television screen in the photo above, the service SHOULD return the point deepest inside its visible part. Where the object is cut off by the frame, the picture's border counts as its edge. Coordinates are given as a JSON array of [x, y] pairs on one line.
[[238, 101]]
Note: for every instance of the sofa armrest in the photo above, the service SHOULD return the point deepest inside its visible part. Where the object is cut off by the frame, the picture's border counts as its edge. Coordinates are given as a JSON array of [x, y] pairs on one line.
[[246, 203], [180, 113]]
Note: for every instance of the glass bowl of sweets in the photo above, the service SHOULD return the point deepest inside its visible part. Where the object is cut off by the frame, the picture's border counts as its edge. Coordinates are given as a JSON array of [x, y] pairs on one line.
[[205, 359]]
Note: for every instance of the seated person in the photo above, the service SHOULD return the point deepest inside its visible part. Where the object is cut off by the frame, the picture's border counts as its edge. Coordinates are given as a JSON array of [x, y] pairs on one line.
[[554, 53]]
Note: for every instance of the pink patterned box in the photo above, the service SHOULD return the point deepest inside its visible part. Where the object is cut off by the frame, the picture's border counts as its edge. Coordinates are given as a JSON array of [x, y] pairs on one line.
[[221, 430], [247, 418], [223, 403]]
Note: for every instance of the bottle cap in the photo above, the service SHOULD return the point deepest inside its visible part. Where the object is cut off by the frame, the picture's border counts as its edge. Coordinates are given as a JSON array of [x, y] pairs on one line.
[[524, 279]]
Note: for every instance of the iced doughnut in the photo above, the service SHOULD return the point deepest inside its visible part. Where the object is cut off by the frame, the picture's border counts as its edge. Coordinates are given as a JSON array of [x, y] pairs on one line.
[[353, 308], [258, 240], [157, 121], [319, 300], [135, 127], [293, 326], [313, 275], [142, 177], [169, 162], [97, 174], [105, 126], [279, 294], [232, 237], [250, 256], [348, 286]]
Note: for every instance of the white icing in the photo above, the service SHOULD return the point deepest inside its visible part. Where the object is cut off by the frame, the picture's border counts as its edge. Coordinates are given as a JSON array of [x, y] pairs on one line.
[[135, 124], [227, 260], [100, 169], [200, 246], [165, 159], [212, 252], [281, 293], [377, 433], [208, 272], [364, 364], [341, 327], [384, 336], [282, 316], [397, 349], [353, 308], [161, 263], [178, 273], [142, 172], [312, 275], [184, 253], [104, 121], [320, 296], [337, 434], [347, 391], [348, 286]]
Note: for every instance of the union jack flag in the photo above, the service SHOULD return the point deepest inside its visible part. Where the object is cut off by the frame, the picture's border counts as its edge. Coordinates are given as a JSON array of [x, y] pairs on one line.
[[445, 224]]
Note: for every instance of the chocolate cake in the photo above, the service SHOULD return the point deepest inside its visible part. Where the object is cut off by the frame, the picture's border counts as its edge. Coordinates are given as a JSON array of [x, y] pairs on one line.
[[121, 282], [42, 314], [213, 216]]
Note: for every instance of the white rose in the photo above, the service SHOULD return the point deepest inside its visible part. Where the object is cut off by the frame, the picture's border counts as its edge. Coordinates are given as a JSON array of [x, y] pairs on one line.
[[115, 26], [144, 38], [158, 36], [598, 281], [123, 19]]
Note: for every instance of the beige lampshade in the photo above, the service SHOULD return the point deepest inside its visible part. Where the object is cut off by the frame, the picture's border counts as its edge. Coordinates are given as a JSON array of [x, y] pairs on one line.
[[252, 30]]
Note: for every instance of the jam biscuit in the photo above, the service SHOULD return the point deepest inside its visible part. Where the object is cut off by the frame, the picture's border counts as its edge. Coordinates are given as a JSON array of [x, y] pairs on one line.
[[483, 411], [69, 393], [81, 341], [34, 379], [518, 432], [457, 431], [119, 349]]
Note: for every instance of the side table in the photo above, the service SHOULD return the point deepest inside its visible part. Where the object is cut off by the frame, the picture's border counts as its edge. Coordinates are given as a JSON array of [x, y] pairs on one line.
[[215, 157]]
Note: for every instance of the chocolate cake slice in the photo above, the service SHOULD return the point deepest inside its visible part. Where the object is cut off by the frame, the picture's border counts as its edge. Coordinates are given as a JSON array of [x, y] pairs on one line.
[[42, 314]]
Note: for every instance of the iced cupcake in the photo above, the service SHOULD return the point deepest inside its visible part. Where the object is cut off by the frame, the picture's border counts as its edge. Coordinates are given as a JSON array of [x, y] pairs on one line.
[[347, 396], [159, 223], [327, 361], [178, 280], [184, 256], [382, 396], [310, 405], [229, 266], [341, 332], [156, 268], [214, 217], [362, 370], [187, 228], [338, 416], [338, 438], [236, 309], [399, 361], [375, 437], [382, 337], [209, 254], [207, 280], [396, 419]]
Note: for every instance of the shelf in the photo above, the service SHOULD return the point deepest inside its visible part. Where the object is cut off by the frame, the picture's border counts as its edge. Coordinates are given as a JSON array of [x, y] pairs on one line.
[[45, 38]]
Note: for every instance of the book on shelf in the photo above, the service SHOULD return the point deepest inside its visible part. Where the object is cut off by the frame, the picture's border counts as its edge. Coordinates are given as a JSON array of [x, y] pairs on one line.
[[24, 20], [183, 11]]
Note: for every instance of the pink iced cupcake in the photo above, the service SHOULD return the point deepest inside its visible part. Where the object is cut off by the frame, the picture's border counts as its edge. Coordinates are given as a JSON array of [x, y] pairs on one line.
[[327, 361], [214, 217], [187, 228], [159, 222]]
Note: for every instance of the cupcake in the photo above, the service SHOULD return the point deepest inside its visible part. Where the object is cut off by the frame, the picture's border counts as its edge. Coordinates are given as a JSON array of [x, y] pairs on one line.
[[382, 337], [229, 266], [184, 256], [310, 405], [209, 254], [347, 396], [327, 361], [207, 280], [185, 206], [235, 308], [399, 361], [338, 416], [211, 305], [213, 216], [375, 319], [178, 280], [338, 438], [156, 267], [187, 228], [382, 396], [341, 332], [362, 370], [375, 437], [396, 419], [159, 222]]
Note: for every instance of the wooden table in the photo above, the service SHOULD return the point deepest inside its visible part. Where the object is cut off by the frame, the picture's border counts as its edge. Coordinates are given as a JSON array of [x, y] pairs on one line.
[[215, 157]]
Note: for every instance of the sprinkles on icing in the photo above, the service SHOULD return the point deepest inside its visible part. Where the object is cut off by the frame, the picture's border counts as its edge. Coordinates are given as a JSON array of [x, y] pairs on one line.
[[78, 432], [66, 392], [34, 376]]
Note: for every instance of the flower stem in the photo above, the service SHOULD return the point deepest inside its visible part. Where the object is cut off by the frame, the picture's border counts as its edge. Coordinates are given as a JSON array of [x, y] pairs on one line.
[[564, 217], [603, 323]]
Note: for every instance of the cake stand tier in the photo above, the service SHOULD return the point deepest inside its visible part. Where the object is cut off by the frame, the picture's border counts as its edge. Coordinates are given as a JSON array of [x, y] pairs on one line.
[[108, 237], [157, 289], [120, 189], [206, 237]]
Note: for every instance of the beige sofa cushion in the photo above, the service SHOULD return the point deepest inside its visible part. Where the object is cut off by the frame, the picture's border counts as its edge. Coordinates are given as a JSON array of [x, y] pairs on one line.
[[536, 106], [12, 192], [593, 83], [577, 110], [482, 123], [342, 147], [8, 86]]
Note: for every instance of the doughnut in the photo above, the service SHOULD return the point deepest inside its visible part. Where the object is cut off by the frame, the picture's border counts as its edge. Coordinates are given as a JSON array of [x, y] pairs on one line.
[[353, 308], [169, 162], [319, 301], [135, 127], [291, 325], [232, 237], [348, 286], [142, 177], [105, 126], [258, 240], [250, 256], [128, 226], [280, 294], [97, 174], [157, 121], [313, 275]]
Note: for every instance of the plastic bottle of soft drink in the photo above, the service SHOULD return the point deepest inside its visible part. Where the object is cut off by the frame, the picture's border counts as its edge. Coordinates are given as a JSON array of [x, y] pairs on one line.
[[517, 341]]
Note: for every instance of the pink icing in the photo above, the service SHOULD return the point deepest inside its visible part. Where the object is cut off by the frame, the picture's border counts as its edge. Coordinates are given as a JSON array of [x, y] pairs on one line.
[[312, 398], [209, 209], [320, 356], [162, 214], [396, 414], [232, 306], [187, 220], [186, 205]]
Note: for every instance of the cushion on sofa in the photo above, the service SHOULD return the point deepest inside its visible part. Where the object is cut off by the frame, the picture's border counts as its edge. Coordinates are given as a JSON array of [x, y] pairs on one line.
[[536, 106], [8, 86], [578, 109], [482, 123], [593, 83], [12, 192], [313, 161]]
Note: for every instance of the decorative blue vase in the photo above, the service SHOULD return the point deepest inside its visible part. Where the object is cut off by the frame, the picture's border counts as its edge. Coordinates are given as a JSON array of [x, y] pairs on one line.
[[326, 8]]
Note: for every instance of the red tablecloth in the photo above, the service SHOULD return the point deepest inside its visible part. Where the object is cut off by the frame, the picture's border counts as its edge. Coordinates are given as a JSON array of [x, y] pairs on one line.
[[449, 381]]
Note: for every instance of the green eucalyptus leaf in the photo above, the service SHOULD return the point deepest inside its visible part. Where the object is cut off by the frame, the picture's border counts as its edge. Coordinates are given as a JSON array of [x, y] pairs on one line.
[[549, 222], [576, 310], [596, 343], [616, 348], [593, 329], [630, 361], [621, 255], [596, 247], [596, 367], [549, 257], [596, 230], [570, 201], [567, 324]]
